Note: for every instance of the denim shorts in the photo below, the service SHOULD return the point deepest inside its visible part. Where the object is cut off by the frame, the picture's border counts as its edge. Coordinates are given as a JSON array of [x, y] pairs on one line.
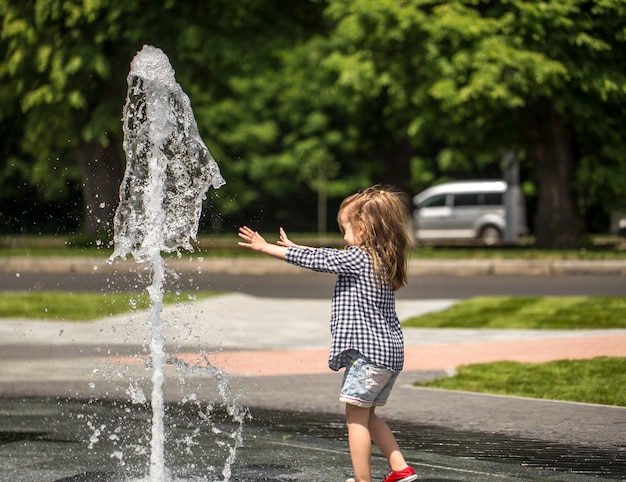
[[366, 384]]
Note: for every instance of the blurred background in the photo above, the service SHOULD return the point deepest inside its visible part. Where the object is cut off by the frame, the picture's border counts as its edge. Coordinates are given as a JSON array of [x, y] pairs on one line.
[[302, 103]]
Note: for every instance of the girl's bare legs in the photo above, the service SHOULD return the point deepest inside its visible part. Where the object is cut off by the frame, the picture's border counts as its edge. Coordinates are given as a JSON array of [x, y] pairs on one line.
[[363, 427], [360, 442], [385, 440]]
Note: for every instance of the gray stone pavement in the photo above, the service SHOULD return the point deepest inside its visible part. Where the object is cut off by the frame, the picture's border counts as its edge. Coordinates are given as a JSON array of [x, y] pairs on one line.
[[77, 360], [96, 360]]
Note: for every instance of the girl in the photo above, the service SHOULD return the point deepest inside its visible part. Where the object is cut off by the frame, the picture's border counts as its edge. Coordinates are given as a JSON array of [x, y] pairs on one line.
[[366, 335]]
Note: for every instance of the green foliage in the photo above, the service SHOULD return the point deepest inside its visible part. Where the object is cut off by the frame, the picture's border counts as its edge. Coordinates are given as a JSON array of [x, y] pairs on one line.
[[55, 64], [81, 306], [599, 380], [294, 99], [562, 313], [460, 81]]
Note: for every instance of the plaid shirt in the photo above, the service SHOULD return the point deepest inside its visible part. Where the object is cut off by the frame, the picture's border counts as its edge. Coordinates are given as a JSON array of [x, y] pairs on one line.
[[363, 315]]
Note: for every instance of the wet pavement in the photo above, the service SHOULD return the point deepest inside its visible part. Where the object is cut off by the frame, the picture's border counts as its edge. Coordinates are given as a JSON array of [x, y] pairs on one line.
[[62, 382], [102, 441]]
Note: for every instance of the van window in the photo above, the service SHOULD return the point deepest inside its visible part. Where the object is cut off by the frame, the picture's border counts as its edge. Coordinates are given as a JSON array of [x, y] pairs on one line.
[[434, 202], [469, 199], [493, 199], [478, 199]]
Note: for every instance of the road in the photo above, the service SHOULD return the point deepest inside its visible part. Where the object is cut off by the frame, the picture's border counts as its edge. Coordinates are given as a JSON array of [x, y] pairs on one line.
[[317, 286]]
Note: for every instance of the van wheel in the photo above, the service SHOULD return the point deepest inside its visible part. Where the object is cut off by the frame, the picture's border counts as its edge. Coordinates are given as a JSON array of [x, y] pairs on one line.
[[490, 235]]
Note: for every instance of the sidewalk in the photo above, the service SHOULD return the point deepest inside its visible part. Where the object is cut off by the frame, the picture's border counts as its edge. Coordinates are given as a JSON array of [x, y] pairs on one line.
[[275, 351]]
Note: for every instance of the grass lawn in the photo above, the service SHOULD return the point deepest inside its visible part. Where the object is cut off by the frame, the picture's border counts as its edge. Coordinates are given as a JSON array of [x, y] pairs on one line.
[[567, 313], [81, 306], [599, 380]]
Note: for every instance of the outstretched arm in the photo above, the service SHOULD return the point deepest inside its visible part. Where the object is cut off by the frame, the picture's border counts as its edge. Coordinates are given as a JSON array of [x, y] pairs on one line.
[[254, 241]]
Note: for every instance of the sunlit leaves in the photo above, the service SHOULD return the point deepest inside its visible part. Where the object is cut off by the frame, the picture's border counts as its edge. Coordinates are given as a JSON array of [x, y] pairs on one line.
[[40, 95]]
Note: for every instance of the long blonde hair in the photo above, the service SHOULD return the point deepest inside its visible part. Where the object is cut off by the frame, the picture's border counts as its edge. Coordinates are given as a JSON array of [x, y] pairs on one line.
[[380, 217]]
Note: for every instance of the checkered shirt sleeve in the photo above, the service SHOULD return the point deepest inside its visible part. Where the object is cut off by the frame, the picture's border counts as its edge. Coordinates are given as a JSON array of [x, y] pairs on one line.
[[363, 313]]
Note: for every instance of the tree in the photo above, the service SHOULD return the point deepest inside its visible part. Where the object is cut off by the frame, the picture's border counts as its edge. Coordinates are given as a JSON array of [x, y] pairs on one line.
[[57, 67], [449, 84], [558, 67], [64, 63], [237, 107], [328, 96]]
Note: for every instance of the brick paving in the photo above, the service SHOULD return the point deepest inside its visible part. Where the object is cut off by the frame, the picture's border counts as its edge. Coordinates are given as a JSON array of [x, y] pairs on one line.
[[422, 357]]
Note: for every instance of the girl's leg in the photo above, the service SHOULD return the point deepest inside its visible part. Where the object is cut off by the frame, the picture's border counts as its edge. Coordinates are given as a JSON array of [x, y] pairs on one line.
[[360, 441], [384, 439]]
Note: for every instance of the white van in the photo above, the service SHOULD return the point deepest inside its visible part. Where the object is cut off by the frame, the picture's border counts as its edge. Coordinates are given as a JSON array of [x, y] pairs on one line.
[[468, 210]]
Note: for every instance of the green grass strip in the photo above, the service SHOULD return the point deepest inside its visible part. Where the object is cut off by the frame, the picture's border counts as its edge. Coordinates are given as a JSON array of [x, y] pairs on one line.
[[556, 313], [52, 305], [599, 380]]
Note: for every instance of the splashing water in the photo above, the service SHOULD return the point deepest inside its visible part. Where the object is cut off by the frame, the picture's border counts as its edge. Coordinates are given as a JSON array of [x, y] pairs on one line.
[[169, 169], [168, 172]]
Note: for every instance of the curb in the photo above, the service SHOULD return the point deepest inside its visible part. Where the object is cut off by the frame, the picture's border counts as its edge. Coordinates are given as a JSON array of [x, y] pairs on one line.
[[535, 267], [263, 266]]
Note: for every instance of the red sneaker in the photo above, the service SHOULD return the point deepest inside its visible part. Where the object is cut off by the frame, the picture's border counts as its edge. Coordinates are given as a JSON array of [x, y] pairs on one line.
[[405, 475]]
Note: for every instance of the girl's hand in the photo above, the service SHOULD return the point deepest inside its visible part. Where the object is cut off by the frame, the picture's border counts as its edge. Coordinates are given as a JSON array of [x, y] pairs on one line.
[[252, 239], [284, 240]]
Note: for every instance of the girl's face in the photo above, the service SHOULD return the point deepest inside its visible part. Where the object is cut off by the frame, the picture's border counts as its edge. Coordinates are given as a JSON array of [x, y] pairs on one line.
[[350, 236]]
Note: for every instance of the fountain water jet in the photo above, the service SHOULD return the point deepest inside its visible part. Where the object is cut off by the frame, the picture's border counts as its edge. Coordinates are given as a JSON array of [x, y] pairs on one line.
[[168, 172]]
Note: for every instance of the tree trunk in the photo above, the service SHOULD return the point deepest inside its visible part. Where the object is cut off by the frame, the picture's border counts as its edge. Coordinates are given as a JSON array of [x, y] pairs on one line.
[[398, 165], [558, 223], [101, 173]]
